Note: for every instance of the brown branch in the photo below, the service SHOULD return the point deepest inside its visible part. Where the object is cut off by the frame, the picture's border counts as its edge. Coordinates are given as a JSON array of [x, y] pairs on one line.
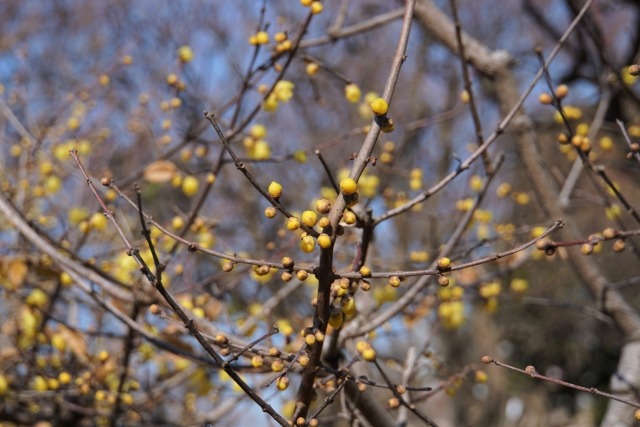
[[360, 27], [393, 388], [477, 124], [242, 168], [364, 324], [186, 320], [325, 270], [433, 271], [531, 371], [192, 246], [510, 100], [636, 153]]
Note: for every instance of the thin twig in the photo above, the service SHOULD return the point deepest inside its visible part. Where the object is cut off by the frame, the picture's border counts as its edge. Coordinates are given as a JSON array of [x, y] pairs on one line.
[[360, 27], [636, 154], [596, 123], [531, 371], [242, 168], [332, 180], [409, 297], [274, 330], [428, 421], [187, 321], [477, 124]]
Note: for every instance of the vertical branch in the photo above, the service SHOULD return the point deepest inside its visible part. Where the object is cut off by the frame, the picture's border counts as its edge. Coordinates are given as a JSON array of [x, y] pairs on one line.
[[324, 272], [468, 87], [126, 362]]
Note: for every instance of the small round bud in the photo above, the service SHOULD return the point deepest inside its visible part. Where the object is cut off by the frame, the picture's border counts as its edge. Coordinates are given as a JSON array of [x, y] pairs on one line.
[[287, 262], [394, 281], [302, 275], [619, 245], [576, 140], [443, 281], [487, 359], [261, 270], [303, 360], [316, 7], [352, 92], [365, 271], [312, 68], [324, 222], [369, 354], [585, 146], [393, 403], [379, 106], [257, 361], [562, 91], [283, 383], [481, 376], [324, 241], [348, 186], [262, 37], [388, 126], [185, 54], [586, 248], [444, 264], [530, 370], [277, 365], [323, 206], [309, 218], [310, 339], [293, 223], [105, 181], [307, 244], [362, 346], [286, 276], [270, 212], [227, 266], [634, 70], [609, 233], [545, 99], [275, 190], [349, 217]]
